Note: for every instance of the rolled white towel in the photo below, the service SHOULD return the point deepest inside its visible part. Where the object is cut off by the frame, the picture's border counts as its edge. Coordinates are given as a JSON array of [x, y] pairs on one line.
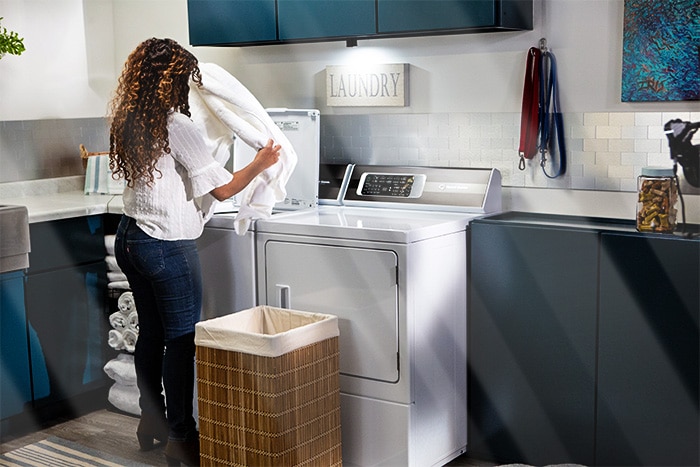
[[132, 322], [124, 398], [116, 276], [121, 369], [115, 339], [130, 338], [112, 265], [121, 285], [126, 303], [109, 244], [118, 320]]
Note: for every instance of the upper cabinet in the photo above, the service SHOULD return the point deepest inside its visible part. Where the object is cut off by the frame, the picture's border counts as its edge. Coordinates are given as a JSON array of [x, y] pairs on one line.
[[218, 22], [452, 16], [314, 19], [259, 22]]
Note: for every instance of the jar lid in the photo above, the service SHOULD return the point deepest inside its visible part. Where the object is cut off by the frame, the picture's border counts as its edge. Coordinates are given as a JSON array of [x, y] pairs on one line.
[[657, 171]]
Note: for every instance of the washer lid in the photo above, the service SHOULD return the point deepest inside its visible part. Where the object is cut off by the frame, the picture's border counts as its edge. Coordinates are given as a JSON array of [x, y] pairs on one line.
[[375, 224]]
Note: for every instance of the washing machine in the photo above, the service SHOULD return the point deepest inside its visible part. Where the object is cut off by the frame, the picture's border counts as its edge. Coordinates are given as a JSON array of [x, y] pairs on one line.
[[390, 260], [228, 259]]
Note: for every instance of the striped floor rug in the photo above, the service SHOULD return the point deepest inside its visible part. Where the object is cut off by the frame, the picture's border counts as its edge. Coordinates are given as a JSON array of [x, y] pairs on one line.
[[57, 452]]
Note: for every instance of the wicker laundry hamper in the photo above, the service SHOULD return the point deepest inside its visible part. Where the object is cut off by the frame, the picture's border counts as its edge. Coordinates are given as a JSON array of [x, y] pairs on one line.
[[268, 389]]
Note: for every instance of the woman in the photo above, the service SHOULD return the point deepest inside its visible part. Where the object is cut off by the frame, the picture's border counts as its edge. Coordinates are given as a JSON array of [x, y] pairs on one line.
[[160, 153]]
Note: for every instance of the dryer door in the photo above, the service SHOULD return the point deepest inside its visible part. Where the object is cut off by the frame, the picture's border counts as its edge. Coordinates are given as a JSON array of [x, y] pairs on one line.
[[357, 285]]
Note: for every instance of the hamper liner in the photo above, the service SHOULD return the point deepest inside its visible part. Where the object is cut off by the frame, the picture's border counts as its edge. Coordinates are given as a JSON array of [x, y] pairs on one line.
[[268, 388]]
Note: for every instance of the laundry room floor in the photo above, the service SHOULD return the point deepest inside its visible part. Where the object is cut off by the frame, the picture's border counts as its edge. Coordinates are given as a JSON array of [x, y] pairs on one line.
[[114, 433]]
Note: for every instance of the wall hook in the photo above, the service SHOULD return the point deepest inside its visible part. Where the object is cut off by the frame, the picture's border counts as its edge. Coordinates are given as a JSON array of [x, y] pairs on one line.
[[543, 45]]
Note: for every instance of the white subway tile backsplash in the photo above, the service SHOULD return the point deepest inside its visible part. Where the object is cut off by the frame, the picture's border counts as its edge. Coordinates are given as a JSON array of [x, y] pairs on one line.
[[634, 132], [621, 145], [621, 171], [583, 132], [605, 151], [621, 119], [595, 145], [648, 118], [647, 145], [608, 132], [596, 119]]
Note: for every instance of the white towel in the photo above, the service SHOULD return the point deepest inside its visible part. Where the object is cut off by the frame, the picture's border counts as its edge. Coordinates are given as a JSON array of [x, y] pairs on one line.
[[132, 322], [126, 303], [116, 277], [112, 265], [130, 338], [125, 398], [121, 369], [115, 339], [222, 106], [118, 321], [109, 244], [98, 177]]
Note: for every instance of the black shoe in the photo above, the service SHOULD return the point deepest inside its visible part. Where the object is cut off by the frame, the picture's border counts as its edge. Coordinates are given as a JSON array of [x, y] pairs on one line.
[[150, 430], [182, 452]]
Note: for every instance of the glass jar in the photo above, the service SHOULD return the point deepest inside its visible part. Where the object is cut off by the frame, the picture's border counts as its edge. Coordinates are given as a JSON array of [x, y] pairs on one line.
[[656, 201]]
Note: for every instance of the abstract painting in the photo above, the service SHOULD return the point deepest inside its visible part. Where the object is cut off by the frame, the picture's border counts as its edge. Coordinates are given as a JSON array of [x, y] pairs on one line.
[[661, 50]]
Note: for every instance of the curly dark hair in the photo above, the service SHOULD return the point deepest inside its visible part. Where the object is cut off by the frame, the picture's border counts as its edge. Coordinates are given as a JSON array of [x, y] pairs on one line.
[[154, 82]]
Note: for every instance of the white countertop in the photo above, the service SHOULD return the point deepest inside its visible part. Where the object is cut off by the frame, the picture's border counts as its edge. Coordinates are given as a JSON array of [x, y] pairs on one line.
[[65, 205]]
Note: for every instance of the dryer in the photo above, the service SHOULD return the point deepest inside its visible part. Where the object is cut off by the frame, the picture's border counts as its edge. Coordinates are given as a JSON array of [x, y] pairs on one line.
[[391, 263]]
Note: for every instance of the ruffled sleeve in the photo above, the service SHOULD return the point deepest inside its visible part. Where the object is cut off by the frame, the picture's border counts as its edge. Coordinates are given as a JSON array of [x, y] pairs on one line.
[[190, 151]]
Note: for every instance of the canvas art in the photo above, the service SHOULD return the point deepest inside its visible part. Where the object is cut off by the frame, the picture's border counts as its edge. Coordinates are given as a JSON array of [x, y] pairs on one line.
[[661, 50]]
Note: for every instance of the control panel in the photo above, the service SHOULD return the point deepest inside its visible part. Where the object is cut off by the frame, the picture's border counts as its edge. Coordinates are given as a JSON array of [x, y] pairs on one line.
[[391, 185]]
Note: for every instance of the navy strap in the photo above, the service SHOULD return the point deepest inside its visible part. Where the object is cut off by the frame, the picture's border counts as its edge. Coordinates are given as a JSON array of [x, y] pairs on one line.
[[551, 119]]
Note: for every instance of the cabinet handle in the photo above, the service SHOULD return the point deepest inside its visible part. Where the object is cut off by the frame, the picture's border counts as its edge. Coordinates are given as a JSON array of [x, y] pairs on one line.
[[284, 295]]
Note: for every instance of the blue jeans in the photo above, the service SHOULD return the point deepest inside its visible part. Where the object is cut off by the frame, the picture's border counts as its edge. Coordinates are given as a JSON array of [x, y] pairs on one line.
[[166, 281]]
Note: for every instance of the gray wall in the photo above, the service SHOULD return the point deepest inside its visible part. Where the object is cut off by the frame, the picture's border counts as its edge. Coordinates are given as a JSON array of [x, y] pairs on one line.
[[36, 149]]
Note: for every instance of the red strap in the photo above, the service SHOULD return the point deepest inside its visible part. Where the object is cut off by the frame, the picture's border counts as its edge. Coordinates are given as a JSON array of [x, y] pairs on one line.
[[530, 110]]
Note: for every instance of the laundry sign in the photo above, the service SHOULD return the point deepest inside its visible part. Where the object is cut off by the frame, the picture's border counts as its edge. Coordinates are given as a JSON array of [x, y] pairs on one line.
[[383, 85]]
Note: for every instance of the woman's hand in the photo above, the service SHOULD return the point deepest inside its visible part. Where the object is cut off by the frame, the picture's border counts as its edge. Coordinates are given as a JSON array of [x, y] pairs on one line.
[[266, 157]]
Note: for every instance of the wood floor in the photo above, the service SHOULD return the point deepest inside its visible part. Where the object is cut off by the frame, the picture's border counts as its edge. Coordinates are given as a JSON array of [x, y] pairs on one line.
[[115, 433], [104, 430]]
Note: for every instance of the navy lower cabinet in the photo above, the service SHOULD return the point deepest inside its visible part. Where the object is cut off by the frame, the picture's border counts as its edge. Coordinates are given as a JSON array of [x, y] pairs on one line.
[[649, 365], [15, 382], [532, 338], [67, 313], [584, 343]]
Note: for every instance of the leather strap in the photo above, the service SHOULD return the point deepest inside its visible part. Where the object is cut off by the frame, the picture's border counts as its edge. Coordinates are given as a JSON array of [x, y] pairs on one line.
[[530, 116], [551, 121]]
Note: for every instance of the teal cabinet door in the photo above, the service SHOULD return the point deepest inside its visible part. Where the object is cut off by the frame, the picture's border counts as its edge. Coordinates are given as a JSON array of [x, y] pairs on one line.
[[67, 311], [15, 388], [445, 16], [318, 19], [532, 343], [218, 22], [424, 15], [649, 344]]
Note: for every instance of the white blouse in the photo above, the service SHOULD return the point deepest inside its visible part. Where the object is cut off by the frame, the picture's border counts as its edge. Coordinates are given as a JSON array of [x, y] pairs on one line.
[[177, 205]]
